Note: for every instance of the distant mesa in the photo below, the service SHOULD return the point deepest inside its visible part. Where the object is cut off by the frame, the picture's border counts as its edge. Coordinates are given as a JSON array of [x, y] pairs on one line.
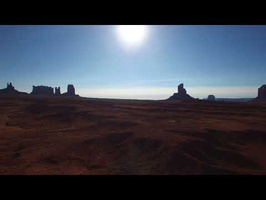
[[211, 98], [181, 89], [261, 95], [46, 90], [10, 89], [42, 90], [181, 94]]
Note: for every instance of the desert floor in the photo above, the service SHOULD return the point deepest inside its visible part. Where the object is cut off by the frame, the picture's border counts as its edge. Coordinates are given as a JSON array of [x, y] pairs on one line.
[[41, 135]]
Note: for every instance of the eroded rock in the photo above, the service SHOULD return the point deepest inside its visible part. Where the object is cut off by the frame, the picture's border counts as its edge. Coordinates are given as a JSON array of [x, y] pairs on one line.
[[42, 90], [181, 94]]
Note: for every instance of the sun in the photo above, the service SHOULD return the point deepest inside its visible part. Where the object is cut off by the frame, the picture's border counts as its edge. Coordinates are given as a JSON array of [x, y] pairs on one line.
[[132, 35]]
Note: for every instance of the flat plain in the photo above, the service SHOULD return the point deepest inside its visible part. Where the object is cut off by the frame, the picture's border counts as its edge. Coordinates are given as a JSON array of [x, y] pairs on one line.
[[54, 135]]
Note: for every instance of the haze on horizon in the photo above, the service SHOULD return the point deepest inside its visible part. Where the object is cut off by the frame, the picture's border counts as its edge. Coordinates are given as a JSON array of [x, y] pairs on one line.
[[227, 61]]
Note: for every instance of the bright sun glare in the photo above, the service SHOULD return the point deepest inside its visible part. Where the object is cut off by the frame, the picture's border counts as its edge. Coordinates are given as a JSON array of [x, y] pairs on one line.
[[132, 34]]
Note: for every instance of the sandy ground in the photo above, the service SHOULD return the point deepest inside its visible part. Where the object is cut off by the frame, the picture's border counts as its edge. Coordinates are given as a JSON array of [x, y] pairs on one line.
[[41, 135]]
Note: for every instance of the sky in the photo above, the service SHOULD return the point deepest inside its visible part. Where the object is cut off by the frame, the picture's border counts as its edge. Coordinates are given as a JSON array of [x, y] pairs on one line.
[[227, 61]]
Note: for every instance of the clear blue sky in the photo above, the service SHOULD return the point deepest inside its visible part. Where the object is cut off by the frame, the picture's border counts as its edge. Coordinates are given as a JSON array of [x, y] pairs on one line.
[[227, 61]]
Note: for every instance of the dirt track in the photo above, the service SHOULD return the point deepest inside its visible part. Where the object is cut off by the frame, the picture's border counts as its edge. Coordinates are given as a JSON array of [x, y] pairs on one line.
[[40, 135]]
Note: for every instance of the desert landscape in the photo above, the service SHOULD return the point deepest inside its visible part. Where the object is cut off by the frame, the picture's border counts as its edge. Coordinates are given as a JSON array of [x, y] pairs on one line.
[[74, 135], [132, 99]]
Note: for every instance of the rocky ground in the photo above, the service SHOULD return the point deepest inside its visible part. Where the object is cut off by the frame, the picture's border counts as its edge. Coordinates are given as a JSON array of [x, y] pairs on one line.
[[41, 135]]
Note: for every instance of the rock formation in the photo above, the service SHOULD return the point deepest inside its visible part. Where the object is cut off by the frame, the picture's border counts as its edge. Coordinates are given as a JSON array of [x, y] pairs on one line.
[[181, 89], [10, 89], [181, 95], [57, 91], [261, 94], [70, 91], [42, 90], [211, 98]]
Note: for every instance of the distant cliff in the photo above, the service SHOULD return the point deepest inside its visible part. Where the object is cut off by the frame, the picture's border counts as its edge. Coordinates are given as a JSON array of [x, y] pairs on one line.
[[261, 95]]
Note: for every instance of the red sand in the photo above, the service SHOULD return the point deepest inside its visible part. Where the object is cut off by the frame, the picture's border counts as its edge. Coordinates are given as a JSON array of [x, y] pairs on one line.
[[40, 135]]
